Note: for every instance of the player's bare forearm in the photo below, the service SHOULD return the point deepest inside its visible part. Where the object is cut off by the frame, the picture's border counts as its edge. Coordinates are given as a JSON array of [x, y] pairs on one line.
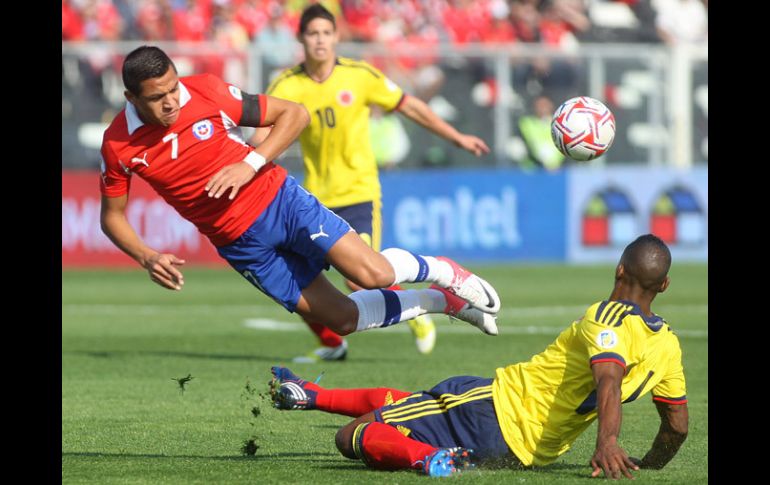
[[416, 110], [161, 267], [609, 457], [260, 133], [608, 408], [116, 227], [671, 434], [288, 119]]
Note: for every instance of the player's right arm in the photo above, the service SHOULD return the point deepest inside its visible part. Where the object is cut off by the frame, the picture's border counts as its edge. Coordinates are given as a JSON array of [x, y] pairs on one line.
[[609, 456], [287, 119], [161, 267]]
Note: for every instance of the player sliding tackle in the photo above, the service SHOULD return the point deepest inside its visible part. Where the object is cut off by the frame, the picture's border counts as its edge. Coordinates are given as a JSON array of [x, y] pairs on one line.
[[181, 136], [531, 412]]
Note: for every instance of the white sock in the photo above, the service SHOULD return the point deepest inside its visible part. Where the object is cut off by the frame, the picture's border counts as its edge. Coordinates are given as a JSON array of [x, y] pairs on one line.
[[413, 268], [382, 308]]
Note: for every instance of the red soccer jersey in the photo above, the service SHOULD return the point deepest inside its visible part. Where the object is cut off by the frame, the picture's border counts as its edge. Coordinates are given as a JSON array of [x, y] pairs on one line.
[[179, 160]]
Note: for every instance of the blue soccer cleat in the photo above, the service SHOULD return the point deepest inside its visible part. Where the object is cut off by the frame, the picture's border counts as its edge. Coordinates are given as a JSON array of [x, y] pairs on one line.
[[289, 392], [446, 461]]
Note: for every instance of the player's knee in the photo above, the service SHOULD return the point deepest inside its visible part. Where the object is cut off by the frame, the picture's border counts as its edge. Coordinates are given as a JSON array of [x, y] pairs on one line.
[[376, 276], [343, 327], [344, 441], [346, 318]]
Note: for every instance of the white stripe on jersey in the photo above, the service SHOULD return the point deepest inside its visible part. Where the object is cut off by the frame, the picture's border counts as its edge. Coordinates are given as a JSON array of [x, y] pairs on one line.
[[233, 130]]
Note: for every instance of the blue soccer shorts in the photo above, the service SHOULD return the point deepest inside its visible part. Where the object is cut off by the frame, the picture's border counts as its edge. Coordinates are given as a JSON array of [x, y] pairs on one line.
[[285, 249], [456, 412]]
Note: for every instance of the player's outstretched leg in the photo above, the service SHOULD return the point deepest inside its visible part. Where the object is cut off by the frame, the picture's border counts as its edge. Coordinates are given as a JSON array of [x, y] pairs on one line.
[[472, 288], [381, 308], [446, 273], [460, 309], [447, 461], [393, 266], [289, 391], [366, 309]]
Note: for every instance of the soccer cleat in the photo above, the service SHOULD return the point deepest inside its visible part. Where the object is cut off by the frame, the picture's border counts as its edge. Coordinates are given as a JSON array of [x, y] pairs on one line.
[[424, 331], [447, 461], [290, 392], [339, 352], [461, 309], [472, 288]]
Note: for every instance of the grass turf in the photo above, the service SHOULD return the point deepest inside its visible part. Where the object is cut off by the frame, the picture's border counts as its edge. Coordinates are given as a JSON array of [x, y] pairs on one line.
[[126, 343]]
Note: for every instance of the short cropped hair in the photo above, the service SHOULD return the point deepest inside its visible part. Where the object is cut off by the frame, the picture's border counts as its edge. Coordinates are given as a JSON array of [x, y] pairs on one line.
[[146, 62], [313, 12]]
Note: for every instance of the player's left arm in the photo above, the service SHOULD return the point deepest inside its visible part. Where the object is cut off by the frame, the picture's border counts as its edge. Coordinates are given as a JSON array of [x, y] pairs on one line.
[[288, 120], [609, 456], [416, 110], [674, 419]]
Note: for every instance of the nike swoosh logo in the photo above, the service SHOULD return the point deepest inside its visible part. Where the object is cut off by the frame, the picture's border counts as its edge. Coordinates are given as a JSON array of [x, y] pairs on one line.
[[491, 301]]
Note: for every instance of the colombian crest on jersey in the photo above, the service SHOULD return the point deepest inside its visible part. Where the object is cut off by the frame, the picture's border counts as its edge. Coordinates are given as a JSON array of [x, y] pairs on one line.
[[203, 130], [607, 339], [345, 97]]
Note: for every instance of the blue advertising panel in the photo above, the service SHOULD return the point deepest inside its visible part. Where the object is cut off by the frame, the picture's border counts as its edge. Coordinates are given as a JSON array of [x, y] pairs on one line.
[[476, 215]]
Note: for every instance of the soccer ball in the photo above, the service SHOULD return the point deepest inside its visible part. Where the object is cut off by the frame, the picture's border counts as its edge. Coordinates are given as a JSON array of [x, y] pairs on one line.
[[583, 128]]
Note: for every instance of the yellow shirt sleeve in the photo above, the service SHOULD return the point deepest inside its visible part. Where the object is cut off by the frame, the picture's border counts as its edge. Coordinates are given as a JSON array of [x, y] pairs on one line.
[[605, 343], [672, 389], [382, 91]]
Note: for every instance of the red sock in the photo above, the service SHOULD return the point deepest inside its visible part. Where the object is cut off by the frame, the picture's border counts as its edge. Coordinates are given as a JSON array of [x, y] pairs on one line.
[[394, 288], [383, 447], [355, 402], [325, 335]]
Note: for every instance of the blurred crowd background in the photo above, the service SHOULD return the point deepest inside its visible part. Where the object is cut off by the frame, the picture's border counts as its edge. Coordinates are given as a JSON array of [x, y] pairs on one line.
[[495, 68]]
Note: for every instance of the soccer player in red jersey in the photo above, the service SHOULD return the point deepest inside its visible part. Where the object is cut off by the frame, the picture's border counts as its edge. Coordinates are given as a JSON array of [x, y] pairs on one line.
[[181, 135]]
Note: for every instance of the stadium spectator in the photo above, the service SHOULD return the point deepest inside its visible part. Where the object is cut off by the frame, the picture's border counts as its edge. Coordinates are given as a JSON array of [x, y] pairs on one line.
[[466, 20], [227, 31], [525, 19], [181, 136], [363, 19], [154, 20], [253, 15], [71, 22], [531, 412], [193, 22], [101, 20], [535, 131], [682, 21], [501, 28], [276, 40], [340, 168]]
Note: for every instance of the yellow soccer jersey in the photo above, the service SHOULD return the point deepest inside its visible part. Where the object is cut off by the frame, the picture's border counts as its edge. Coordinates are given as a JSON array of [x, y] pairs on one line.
[[543, 405], [340, 168]]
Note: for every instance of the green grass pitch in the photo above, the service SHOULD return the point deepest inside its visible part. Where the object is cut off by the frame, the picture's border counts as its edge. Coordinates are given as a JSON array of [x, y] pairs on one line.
[[126, 341]]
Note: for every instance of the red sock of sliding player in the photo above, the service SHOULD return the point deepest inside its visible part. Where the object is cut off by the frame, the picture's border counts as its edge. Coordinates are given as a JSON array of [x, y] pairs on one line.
[[355, 402], [325, 335], [383, 447]]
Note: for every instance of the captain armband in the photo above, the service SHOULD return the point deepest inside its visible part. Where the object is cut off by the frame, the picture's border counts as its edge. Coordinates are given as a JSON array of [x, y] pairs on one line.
[[255, 160]]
